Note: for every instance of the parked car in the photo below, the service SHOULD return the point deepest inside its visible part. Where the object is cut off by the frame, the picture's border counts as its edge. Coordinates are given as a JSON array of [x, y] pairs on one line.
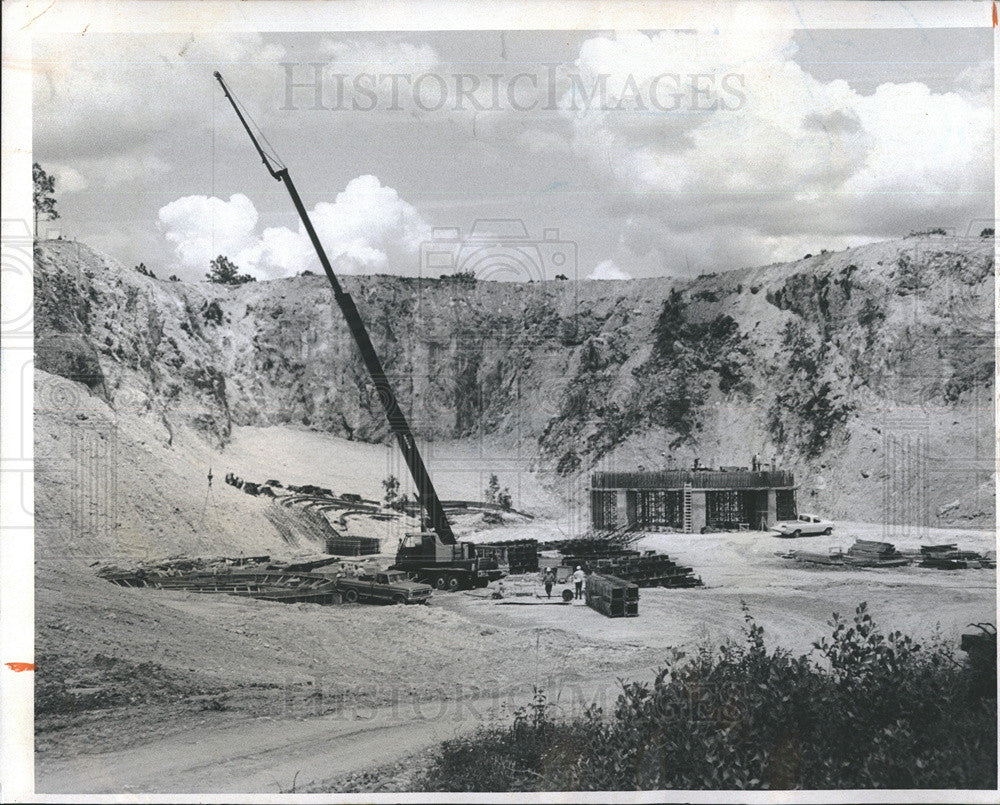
[[805, 525], [393, 587]]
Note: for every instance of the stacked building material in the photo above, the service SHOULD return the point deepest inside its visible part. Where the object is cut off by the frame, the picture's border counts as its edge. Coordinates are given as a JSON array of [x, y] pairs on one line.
[[521, 555], [611, 596], [580, 551], [871, 553], [949, 557], [833, 557], [253, 582], [651, 570], [352, 546]]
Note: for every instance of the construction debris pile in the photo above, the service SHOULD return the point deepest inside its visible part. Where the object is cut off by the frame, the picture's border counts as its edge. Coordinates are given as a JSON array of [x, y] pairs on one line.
[[612, 596]]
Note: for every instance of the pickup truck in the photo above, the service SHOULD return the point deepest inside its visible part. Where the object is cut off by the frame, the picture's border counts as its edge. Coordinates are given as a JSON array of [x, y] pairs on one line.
[[804, 525], [391, 587]]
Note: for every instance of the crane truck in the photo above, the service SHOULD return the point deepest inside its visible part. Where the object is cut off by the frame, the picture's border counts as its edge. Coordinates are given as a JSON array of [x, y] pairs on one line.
[[432, 555]]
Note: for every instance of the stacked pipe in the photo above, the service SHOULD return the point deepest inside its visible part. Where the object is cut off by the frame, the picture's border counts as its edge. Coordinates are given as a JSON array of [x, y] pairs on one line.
[[611, 596]]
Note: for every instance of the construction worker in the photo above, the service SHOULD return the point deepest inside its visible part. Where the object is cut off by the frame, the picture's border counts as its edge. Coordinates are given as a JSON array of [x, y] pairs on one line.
[[548, 580], [578, 578]]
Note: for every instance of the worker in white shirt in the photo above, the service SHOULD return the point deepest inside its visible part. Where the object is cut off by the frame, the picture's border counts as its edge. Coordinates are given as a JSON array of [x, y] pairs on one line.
[[578, 578]]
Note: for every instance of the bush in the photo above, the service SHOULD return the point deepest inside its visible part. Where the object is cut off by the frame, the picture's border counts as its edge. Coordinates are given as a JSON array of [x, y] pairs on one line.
[[461, 277], [872, 710]]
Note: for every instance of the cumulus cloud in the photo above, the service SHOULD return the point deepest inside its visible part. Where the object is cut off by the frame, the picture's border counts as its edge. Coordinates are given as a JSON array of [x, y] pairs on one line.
[[368, 228], [776, 156], [607, 270], [202, 227]]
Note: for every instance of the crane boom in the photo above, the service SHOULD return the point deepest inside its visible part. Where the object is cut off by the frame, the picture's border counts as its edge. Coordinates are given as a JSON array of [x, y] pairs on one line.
[[398, 424]]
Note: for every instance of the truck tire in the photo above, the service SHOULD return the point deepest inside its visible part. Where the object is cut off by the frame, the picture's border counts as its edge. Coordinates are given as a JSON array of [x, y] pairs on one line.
[[796, 533], [351, 596], [441, 582], [828, 531], [454, 584], [399, 599]]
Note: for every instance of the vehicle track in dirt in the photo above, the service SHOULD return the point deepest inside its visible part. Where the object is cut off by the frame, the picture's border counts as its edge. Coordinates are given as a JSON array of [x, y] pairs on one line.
[[273, 755]]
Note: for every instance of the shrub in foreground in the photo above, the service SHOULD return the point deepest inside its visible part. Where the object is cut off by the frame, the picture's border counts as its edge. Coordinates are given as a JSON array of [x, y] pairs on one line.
[[864, 710]]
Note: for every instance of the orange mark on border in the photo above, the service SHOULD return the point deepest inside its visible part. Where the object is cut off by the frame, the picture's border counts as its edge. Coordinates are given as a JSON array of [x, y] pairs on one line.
[[994, 14], [20, 666]]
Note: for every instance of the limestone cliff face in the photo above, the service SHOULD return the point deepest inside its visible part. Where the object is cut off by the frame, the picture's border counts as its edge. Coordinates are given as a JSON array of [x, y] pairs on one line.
[[868, 371]]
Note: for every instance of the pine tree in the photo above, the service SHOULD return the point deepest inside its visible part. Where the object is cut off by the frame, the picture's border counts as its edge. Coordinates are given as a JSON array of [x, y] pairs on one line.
[[391, 486], [225, 272], [45, 201], [492, 489], [504, 499]]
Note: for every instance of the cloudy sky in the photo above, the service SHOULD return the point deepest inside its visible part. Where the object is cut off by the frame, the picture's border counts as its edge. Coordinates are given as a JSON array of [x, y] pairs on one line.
[[652, 153]]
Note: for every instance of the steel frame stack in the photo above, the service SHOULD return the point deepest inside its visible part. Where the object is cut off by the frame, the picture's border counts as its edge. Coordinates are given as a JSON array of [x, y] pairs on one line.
[[353, 546], [520, 554], [611, 596]]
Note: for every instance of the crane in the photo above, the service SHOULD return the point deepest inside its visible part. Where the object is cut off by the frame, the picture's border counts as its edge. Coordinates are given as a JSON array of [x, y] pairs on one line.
[[435, 556]]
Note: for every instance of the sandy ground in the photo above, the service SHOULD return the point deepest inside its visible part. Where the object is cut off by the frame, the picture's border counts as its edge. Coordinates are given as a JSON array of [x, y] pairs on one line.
[[142, 690], [242, 694]]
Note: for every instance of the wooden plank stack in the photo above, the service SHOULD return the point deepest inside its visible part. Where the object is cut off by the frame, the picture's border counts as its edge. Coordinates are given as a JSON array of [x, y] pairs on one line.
[[611, 596], [949, 557], [871, 553]]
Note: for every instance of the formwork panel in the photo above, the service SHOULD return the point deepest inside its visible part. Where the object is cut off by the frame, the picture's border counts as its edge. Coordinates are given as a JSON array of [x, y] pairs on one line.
[[660, 509], [784, 500], [604, 509]]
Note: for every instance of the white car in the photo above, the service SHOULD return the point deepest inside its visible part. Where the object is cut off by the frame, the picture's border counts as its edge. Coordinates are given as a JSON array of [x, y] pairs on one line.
[[806, 524]]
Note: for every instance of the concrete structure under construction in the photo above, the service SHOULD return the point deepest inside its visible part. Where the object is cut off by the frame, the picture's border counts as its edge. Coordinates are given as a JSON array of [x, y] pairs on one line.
[[692, 501]]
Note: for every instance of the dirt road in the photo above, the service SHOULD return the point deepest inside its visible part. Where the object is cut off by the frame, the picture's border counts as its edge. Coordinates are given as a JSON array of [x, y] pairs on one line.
[[270, 755]]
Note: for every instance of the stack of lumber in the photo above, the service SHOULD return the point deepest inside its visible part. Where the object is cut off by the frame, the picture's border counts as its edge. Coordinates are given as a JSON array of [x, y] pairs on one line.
[[611, 596], [949, 557], [871, 553], [834, 557], [352, 546]]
